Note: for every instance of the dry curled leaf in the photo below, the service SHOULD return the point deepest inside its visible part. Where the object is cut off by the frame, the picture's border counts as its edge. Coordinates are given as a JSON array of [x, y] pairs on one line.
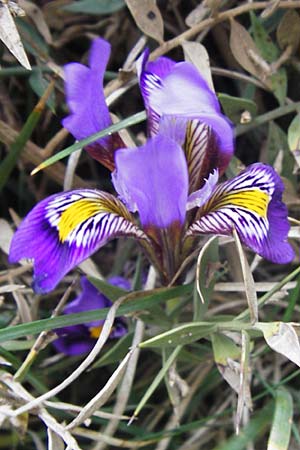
[[246, 52], [197, 15], [37, 16], [288, 31], [282, 338], [147, 17], [9, 35], [196, 53], [6, 234]]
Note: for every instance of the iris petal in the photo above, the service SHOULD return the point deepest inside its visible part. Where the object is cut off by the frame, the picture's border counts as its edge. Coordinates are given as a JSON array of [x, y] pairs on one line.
[[86, 101], [77, 339], [250, 203], [179, 89], [200, 145], [153, 180], [64, 229]]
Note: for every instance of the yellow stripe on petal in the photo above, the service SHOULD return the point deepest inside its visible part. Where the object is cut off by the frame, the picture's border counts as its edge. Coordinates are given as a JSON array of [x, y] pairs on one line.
[[95, 331], [75, 214], [254, 200]]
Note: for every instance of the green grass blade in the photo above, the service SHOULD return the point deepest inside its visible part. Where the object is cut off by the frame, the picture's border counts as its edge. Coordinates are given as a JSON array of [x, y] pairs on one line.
[[251, 432], [11, 158], [157, 380], [135, 301], [282, 421], [132, 120]]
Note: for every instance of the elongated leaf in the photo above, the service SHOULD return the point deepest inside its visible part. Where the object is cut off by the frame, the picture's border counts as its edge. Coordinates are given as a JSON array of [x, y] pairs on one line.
[[251, 432], [288, 31], [95, 6], [109, 290], [226, 352], [196, 53], [234, 107], [184, 334], [11, 158], [246, 52], [132, 120], [282, 421], [10, 36], [269, 51], [136, 301], [116, 353], [282, 338], [147, 17], [159, 377], [248, 280]]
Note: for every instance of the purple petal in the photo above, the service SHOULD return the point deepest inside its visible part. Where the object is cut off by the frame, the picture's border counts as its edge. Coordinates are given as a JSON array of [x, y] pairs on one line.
[[66, 228], [198, 198], [200, 146], [86, 101], [73, 340], [181, 90], [153, 179], [251, 203], [77, 339]]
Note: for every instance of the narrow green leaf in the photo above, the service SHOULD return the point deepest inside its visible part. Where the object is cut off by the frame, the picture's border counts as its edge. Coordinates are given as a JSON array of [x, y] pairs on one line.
[[97, 7], [292, 301], [157, 380], [282, 421], [116, 353], [132, 120], [277, 142], [184, 334], [251, 432], [11, 158], [270, 52], [39, 86], [109, 290], [135, 301]]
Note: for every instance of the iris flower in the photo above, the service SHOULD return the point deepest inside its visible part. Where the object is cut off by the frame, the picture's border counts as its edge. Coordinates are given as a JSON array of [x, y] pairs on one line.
[[78, 339], [167, 189]]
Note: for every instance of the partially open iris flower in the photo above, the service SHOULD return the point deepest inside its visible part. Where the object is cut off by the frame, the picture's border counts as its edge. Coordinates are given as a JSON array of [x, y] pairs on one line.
[[170, 182], [78, 339]]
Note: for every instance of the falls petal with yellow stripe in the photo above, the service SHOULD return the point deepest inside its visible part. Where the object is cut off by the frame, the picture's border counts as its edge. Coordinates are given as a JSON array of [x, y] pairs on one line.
[[66, 228], [250, 203]]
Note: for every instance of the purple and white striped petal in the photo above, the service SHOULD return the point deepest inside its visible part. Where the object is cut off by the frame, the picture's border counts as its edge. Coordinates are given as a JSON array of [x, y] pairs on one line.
[[86, 101], [178, 89], [251, 203], [65, 229], [200, 145]]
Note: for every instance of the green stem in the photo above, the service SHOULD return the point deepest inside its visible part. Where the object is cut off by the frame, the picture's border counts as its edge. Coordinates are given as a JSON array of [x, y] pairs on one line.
[[269, 294], [267, 117]]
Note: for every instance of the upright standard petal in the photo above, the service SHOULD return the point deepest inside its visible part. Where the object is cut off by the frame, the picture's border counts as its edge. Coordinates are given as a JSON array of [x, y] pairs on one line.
[[77, 339], [251, 203], [86, 101], [200, 146], [179, 89], [64, 229], [153, 179]]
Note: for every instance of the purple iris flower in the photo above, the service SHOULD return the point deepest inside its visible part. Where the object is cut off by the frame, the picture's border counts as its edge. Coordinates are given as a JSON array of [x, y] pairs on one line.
[[170, 182], [86, 101], [78, 339]]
